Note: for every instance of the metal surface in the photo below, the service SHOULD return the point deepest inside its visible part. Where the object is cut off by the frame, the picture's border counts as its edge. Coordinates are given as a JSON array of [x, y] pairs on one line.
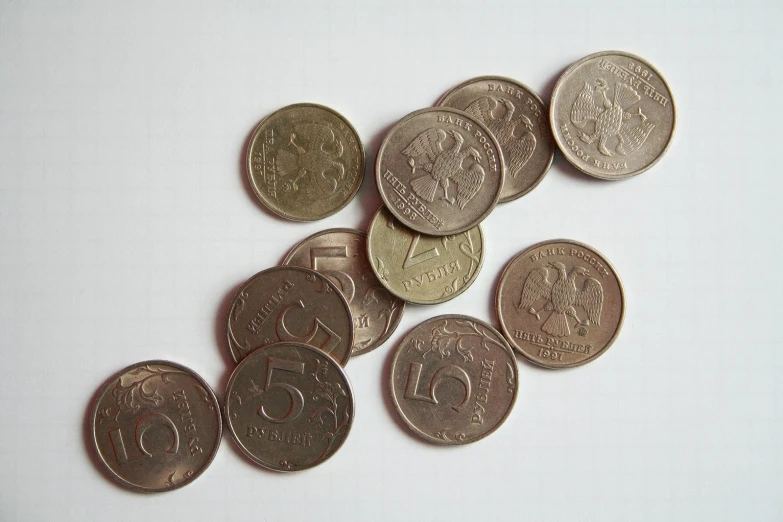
[[560, 303], [305, 162], [453, 379], [612, 115], [341, 255], [439, 171], [156, 426], [288, 406], [290, 304], [419, 268], [519, 121]]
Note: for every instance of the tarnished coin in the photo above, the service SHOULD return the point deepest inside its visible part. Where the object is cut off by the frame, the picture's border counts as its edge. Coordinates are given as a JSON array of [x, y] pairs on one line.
[[423, 269], [156, 426], [612, 115], [288, 406], [453, 379], [560, 303], [305, 162], [291, 304], [439, 171], [341, 255], [518, 119]]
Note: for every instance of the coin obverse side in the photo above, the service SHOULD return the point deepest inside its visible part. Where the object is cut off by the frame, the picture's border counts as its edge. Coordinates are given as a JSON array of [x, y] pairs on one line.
[[288, 406], [519, 121], [439, 171], [419, 268], [305, 162], [612, 115], [560, 303], [156, 426], [340, 254], [453, 379], [291, 304]]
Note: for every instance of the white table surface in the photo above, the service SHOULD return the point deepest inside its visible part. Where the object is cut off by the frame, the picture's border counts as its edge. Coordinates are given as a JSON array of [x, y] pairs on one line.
[[126, 224]]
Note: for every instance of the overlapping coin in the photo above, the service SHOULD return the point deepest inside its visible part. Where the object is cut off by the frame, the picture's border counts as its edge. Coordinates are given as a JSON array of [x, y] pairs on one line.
[[518, 119], [292, 304], [420, 268], [612, 115], [439, 171], [288, 406], [341, 255], [453, 379], [156, 426], [560, 303], [305, 162]]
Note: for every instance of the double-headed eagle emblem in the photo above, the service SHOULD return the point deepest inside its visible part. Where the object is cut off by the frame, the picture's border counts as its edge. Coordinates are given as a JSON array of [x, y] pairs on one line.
[[319, 156], [562, 296], [444, 167], [609, 118], [516, 149]]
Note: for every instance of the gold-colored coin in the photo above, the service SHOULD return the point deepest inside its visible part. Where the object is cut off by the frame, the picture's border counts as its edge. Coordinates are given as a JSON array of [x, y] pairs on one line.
[[419, 268], [305, 162]]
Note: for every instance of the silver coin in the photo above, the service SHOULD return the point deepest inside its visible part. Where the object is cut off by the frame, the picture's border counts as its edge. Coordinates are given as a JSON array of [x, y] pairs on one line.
[[453, 379], [519, 120], [292, 304], [612, 115], [341, 255], [156, 426], [289, 407], [439, 171]]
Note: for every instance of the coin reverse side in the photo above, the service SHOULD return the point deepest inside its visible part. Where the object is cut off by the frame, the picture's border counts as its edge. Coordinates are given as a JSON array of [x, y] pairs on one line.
[[292, 304], [560, 303], [439, 171], [156, 426], [419, 268], [519, 120], [289, 407], [305, 162], [612, 115], [453, 379], [340, 254]]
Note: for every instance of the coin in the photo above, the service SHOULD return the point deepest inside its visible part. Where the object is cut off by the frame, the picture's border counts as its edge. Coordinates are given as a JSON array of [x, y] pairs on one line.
[[156, 426], [305, 162], [519, 121], [423, 269], [439, 171], [453, 379], [612, 115], [288, 406], [341, 255], [560, 303], [290, 304]]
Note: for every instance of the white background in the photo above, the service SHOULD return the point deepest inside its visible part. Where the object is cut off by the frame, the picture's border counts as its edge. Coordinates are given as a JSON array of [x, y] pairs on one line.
[[126, 226]]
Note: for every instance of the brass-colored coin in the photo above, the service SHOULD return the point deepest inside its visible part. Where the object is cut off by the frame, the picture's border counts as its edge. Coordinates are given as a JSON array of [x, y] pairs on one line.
[[305, 162], [560, 303], [156, 426], [341, 255], [288, 406], [419, 268], [453, 379], [291, 304], [518, 119], [612, 115], [439, 171]]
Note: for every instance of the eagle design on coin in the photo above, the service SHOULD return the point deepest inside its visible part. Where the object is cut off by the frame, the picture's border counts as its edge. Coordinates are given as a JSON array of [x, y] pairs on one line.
[[610, 118], [444, 167], [562, 296], [518, 148], [312, 148]]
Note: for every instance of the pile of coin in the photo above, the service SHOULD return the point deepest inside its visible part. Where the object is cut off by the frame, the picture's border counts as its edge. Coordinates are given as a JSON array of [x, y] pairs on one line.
[[340, 293]]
